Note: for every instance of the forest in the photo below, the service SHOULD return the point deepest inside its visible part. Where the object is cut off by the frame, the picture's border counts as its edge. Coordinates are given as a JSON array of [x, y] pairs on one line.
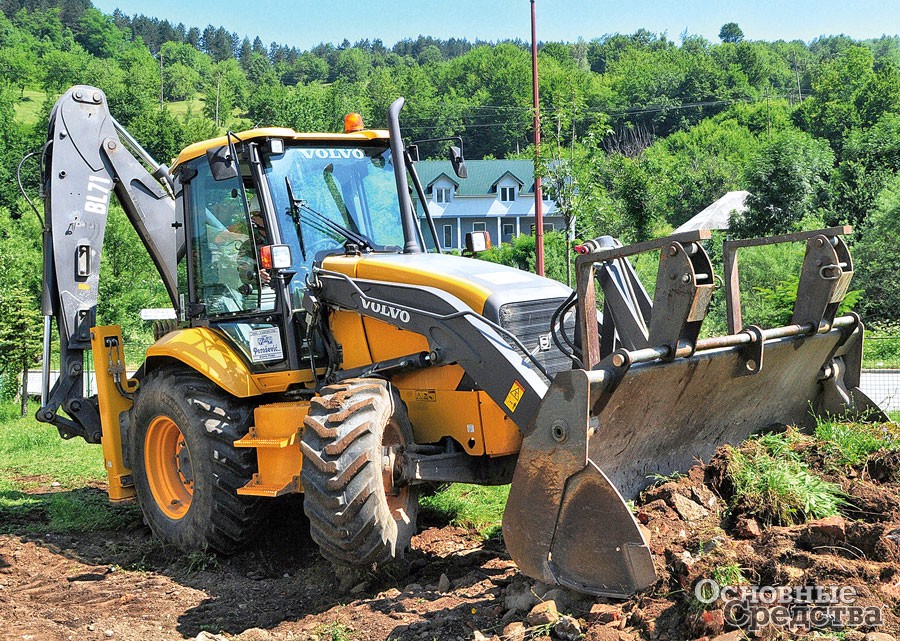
[[640, 132]]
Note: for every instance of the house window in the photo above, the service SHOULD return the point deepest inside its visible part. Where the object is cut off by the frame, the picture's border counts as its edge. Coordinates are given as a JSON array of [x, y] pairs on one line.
[[508, 229], [442, 194], [507, 194], [479, 226], [549, 227], [448, 235]]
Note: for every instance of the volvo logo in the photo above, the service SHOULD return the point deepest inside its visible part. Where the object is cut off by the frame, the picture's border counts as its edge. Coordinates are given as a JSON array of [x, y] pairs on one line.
[[388, 311]]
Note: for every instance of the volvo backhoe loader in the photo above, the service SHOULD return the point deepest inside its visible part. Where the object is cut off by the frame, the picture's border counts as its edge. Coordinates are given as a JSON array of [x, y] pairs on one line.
[[319, 347]]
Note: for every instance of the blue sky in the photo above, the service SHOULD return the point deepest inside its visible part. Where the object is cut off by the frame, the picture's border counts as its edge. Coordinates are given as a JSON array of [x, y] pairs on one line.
[[305, 23]]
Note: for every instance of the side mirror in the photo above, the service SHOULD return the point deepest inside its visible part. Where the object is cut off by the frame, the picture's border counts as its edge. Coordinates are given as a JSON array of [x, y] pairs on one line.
[[413, 151], [222, 164], [458, 162], [478, 241]]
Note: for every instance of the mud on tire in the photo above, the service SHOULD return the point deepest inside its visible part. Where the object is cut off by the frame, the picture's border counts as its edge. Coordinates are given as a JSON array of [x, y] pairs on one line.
[[357, 515], [187, 489]]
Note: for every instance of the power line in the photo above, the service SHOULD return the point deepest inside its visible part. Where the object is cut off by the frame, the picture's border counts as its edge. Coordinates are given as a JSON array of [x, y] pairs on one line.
[[585, 115]]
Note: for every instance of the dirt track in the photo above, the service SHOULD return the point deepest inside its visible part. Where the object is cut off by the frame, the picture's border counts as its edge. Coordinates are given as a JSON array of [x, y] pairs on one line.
[[122, 585]]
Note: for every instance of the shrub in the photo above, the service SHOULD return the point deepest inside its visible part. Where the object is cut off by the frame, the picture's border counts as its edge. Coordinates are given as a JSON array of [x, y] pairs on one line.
[[852, 443], [773, 484]]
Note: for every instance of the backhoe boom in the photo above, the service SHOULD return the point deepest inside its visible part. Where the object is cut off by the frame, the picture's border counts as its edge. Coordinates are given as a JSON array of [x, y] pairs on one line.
[[85, 164]]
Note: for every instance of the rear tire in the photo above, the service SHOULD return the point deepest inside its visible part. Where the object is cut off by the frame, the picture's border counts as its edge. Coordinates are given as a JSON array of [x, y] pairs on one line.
[[359, 514], [186, 469]]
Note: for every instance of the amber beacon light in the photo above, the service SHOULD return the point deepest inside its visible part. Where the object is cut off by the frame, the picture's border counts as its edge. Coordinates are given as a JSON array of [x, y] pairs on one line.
[[353, 122]]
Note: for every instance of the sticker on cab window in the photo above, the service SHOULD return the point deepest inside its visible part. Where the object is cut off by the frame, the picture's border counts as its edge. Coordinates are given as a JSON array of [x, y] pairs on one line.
[[265, 345]]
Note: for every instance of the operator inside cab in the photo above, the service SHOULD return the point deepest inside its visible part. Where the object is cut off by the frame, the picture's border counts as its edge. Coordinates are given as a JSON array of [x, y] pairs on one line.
[[227, 254]]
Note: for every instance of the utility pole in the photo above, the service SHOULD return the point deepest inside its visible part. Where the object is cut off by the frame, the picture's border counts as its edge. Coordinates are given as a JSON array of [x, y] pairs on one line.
[[538, 197]]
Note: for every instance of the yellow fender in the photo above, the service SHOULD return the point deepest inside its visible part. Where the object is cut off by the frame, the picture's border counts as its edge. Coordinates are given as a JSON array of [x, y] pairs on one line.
[[208, 353]]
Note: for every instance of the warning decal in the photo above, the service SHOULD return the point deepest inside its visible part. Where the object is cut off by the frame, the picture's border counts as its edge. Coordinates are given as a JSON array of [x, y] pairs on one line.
[[514, 396]]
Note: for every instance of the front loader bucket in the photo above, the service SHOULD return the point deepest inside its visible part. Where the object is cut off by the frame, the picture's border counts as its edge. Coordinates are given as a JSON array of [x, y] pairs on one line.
[[596, 443], [601, 434], [565, 522]]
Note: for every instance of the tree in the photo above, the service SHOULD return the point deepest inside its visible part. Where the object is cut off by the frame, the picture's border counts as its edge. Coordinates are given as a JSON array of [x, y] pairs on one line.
[[693, 168], [98, 34], [19, 67], [20, 339], [635, 195], [877, 260], [869, 159], [836, 85], [224, 89], [567, 178], [353, 65], [181, 82], [20, 316], [244, 52], [259, 70], [429, 55], [787, 180], [731, 32], [307, 68]]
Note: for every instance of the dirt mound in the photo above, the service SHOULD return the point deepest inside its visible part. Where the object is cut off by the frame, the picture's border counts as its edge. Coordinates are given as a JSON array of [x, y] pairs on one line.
[[120, 584]]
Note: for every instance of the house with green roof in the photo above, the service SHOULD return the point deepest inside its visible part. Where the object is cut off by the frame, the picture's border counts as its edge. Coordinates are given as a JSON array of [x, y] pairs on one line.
[[497, 197]]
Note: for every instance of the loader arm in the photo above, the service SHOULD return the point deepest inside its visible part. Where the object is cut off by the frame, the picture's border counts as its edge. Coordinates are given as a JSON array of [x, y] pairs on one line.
[[454, 332], [89, 157]]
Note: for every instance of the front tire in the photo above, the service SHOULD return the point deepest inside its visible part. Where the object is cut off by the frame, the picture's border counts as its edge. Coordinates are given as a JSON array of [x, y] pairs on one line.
[[360, 514], [186, 469]]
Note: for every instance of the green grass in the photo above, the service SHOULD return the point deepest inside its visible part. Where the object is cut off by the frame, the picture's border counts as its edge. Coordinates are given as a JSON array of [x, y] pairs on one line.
[[881, 351], [773, 484], [728, 574], [32, 456], [852, 443], [28, 108], [334, 632], [474, 507], [180, 108]]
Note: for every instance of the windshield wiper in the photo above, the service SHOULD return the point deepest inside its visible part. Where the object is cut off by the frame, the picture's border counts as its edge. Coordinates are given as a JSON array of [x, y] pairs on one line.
[[298, 206]]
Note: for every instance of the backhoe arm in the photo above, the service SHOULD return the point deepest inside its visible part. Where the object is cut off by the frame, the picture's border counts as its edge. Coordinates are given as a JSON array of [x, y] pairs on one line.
[[84, 163]]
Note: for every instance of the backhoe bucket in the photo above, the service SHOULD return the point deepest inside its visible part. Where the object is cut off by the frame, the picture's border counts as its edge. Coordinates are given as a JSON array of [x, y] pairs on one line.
[[602, 434]]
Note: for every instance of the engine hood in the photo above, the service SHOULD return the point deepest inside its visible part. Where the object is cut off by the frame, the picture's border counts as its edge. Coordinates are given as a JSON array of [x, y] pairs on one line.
[[482, 285]]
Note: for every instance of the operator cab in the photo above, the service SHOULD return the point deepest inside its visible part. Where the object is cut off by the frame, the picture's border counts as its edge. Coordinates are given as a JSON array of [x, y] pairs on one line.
[[260, 207]]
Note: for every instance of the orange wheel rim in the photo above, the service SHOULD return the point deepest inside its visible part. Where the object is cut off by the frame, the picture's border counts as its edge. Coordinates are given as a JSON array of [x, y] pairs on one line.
[[170, 473]]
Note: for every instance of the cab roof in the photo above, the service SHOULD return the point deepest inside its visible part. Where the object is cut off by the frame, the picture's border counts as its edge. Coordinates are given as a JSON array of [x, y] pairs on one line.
[[199, 148]]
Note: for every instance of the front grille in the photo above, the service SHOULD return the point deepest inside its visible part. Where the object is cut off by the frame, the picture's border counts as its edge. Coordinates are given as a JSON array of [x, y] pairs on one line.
[[530, 321]]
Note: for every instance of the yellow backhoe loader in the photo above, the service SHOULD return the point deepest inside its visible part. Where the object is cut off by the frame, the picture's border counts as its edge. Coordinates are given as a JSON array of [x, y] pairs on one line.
[[318, 346]]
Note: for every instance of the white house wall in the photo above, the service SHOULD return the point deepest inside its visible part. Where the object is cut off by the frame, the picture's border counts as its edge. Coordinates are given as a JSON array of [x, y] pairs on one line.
[[462, 212]]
